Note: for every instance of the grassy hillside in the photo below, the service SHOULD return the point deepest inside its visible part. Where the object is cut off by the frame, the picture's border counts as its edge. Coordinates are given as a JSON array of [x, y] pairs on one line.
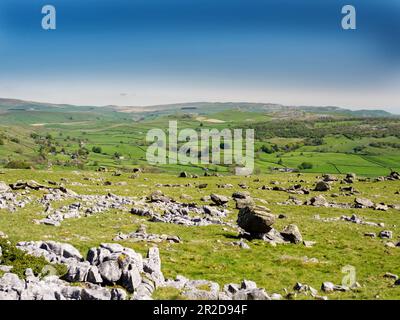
[[206, 253], [327, 139]]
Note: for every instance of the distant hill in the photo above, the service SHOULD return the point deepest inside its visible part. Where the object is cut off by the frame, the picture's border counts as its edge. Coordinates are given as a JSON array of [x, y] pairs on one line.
[[14, 105]]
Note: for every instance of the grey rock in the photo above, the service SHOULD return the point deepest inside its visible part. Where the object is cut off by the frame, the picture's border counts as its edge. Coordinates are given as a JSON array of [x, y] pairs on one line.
[[5, 268], [240, 195], [112, 247], [241, 244], [9, 295], [95, 293], [110, 271], [252, 294], [318, 201], [386, 234], [71, 292], [219, 199], [248, 285], [255, 219], [78, 271], [194, 290], [363, 203], [231, 288], [131, 279], [152, 266], [329, 178], [64, 250], [327, 287], [309, 244], [322, 186], [330, 287], [118, 294], [94, 276], [391, 275], [370, 234], [258, 294], [178, 283], [11, 282], [276, 296], [350, 178], [212, 211], [292, 233], [242, 203], [158, 196], [381, 207]]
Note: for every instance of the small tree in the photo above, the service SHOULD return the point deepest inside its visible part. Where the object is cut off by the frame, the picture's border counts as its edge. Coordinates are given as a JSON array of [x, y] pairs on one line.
[[305, 166], [96, 149]]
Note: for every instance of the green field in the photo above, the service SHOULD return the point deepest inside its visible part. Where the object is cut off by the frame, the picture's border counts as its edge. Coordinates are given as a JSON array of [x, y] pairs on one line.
[[53, 138]]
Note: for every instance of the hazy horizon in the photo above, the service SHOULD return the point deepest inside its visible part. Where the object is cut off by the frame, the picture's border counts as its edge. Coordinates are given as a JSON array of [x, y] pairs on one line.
[[353, 108]]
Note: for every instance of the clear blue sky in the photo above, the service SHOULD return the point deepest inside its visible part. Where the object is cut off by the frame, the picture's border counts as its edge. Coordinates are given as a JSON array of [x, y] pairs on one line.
[[142, 52]]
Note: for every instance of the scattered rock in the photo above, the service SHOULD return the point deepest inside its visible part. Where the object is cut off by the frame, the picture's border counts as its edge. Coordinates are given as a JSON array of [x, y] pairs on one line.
[[158, 196], [322, 186], [393, 176], [329, 178], [318, 201], [350, 178], [292, 233], [370, 234], [240, 195], [201, 290], [386, 234], [381, 207], [309, 244], [142, 235], [391, 276], [256, 219], [330, 287], [218, 199], [363, 203], [241, 244]]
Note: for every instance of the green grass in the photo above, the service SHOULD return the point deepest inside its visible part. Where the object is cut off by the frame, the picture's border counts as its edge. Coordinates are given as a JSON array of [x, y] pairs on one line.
[[205, 252]]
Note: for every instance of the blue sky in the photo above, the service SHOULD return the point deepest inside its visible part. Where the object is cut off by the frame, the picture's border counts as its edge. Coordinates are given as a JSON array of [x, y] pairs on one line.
[[143, 52]]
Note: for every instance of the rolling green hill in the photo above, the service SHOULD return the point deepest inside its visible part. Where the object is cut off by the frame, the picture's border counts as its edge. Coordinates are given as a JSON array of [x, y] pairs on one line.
[[328, 139]]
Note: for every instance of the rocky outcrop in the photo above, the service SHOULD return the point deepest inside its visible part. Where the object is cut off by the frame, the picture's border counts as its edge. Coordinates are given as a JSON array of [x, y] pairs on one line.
[[108, 264], [86, 206], [256, 219], [52, 288], [187, 214], [141, 235]]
